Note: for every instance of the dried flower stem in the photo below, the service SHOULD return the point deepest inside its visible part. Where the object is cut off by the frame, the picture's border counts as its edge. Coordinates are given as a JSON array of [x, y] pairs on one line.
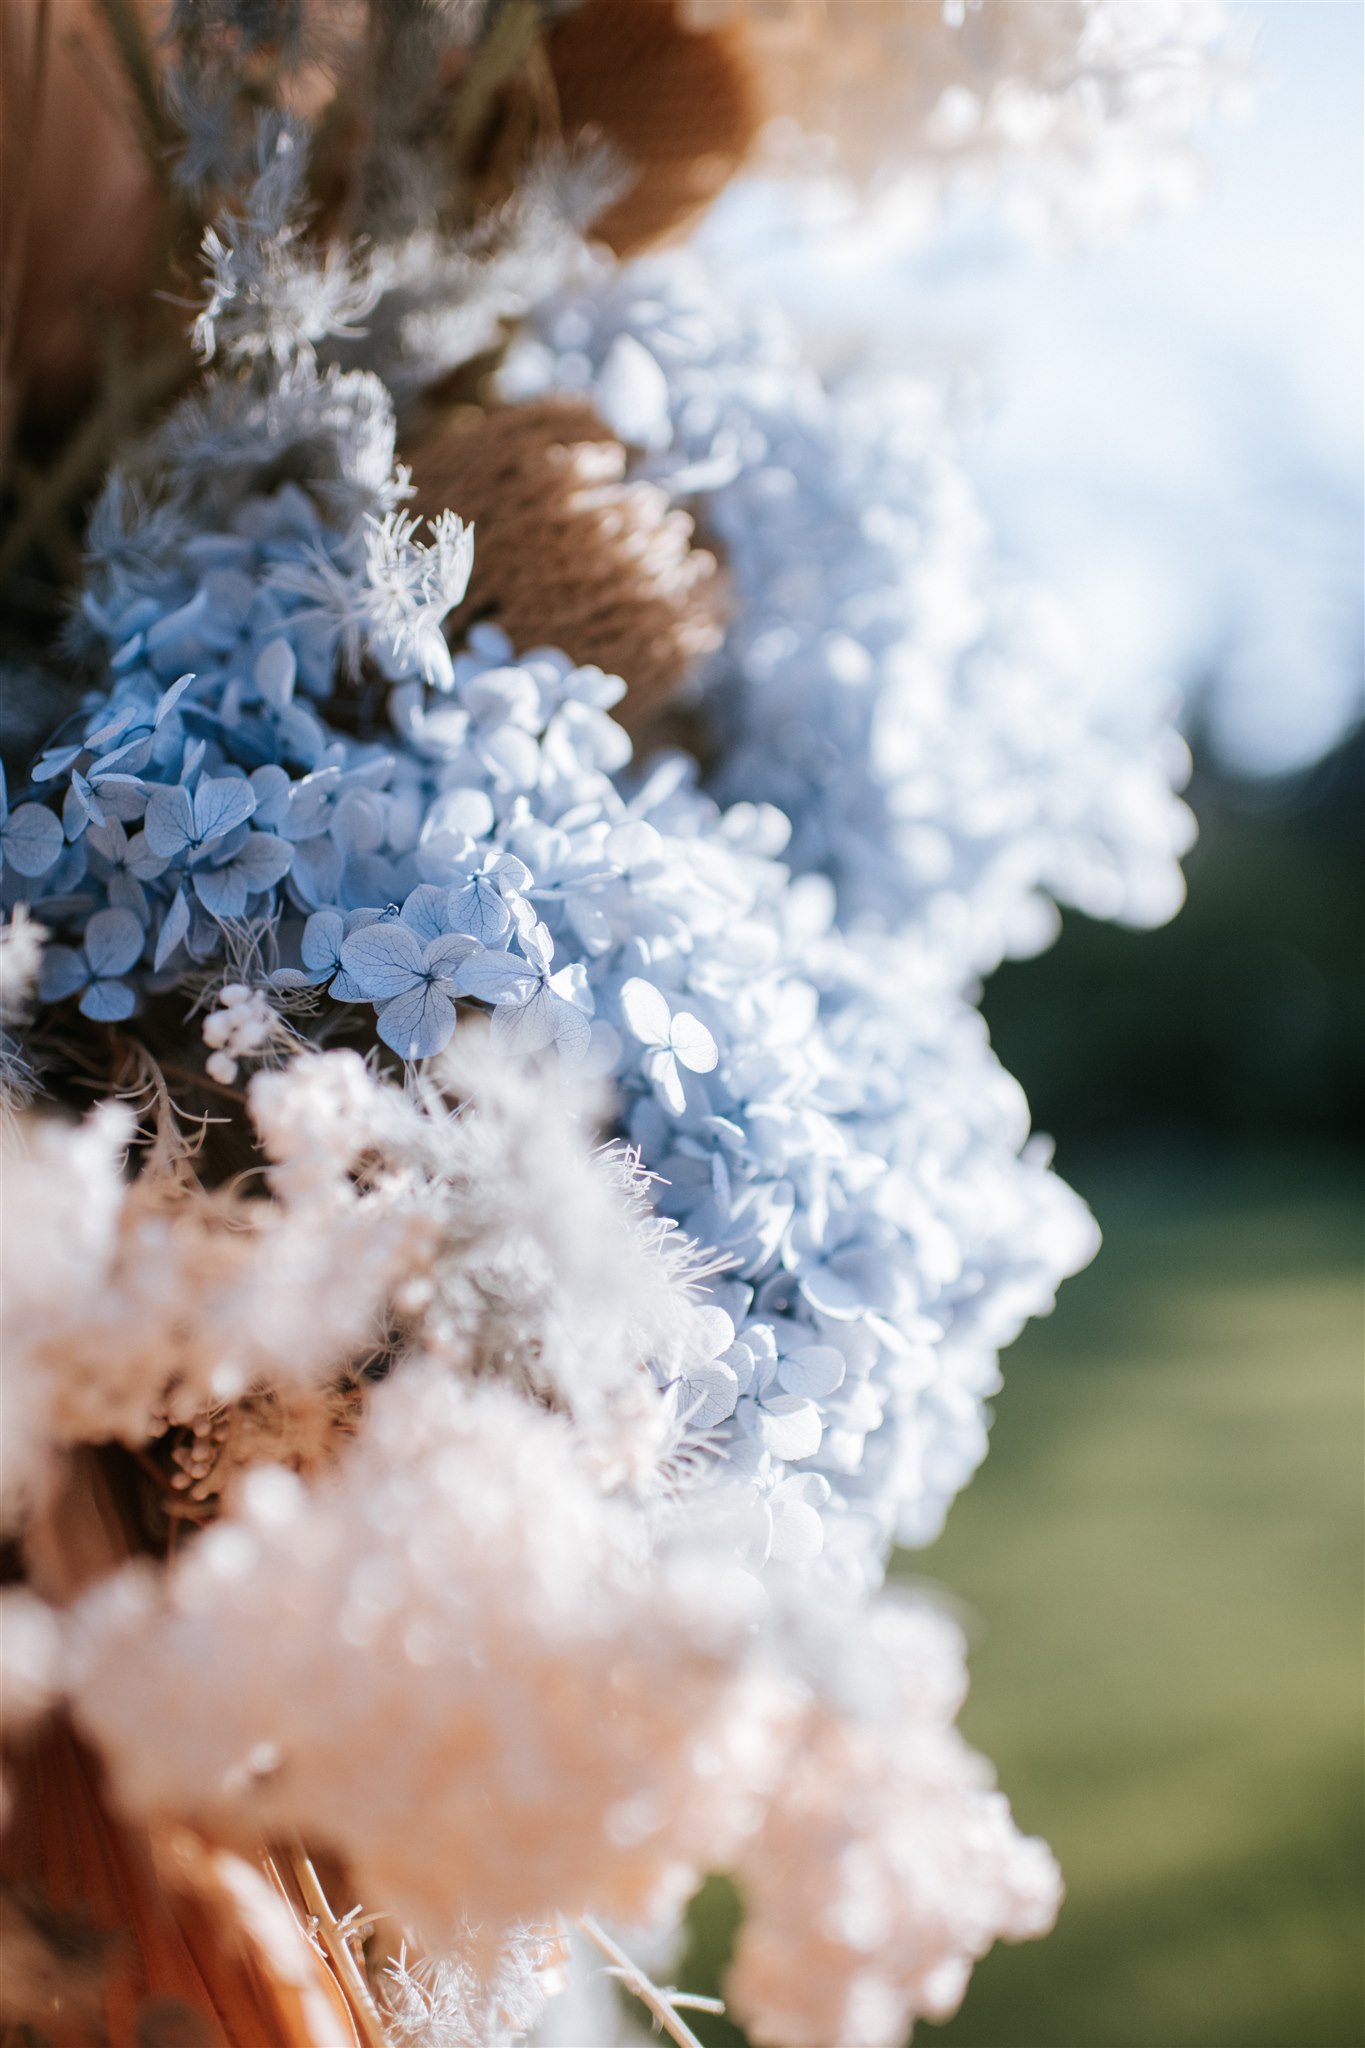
[[499, 56], [662, 2004], [332, 1936]]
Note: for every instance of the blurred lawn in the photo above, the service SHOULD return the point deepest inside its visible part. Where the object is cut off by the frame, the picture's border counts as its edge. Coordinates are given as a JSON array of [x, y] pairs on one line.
[[1161, 1569]]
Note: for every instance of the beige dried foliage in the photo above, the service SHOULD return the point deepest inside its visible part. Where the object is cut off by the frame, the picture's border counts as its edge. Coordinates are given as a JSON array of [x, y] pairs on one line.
[[567, 552]]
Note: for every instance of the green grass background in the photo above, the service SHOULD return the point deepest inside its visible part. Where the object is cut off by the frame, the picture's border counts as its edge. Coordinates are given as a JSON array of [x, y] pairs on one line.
[[1160, 1568]]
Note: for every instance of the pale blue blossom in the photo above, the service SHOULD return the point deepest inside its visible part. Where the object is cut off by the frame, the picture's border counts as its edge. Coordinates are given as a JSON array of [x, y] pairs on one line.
[[97, 969], [125, 865], [179, 821], [409, 967], [30, 836], [534, 1006], [672, 1040]]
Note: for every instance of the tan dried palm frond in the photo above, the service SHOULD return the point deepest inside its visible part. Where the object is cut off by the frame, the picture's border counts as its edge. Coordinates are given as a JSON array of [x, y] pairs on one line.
[[117, 1938], [567, 552], [113, 1935]]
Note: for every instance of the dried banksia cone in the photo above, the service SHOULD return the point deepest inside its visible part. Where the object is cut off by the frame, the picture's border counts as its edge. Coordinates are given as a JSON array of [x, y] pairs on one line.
[[569, 554], [677, 102]]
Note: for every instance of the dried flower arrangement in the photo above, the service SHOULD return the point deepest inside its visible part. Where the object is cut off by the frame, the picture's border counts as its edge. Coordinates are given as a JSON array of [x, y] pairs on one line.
[[500, 1237]]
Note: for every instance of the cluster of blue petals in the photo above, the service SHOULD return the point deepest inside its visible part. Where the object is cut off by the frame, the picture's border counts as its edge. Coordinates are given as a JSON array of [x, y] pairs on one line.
[[921, 715], [848, 1147]]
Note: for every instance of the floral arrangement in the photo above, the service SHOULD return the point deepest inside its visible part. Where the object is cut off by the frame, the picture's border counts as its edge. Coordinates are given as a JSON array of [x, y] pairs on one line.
[[510, 1211]]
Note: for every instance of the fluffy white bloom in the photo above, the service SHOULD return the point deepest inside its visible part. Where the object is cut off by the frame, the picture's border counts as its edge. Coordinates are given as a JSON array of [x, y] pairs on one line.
[[21, 949], [32, 1673], [21, 952], [531, 1256], [269, 295], [446, 2002], [1073, 117], [454, 1660], [491, 1236], [56, 1257], [888, 1864], [242, 1026], [146, 1302], [31, 1658]]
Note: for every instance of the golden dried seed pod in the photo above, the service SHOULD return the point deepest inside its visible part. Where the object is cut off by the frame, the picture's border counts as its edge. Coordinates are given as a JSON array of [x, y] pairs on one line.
[[567, 552]]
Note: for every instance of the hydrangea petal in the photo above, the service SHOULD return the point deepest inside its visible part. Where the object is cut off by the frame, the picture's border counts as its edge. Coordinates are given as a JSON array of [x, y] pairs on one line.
[[221, 804], [815, 1371], [788, 1426], [169, 823], [386, 959], [646, 1011], [693, 1044], [108, 1002], [113, 941], [32, 839], [263, 861], [174, 930], [499, 978], [61, 971], [418, 1023]]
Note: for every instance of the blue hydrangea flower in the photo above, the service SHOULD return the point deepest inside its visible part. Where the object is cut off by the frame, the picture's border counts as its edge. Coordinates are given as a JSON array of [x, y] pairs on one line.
[[944, 752], [822, 1115], [671, 1041], [534, 1007]]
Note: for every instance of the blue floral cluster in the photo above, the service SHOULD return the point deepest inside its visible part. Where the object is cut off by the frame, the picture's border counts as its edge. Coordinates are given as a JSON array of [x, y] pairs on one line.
[[851, 1152], [921, 716]]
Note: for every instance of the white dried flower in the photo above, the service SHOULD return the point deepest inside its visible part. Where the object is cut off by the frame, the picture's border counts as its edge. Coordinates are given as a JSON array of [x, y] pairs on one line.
[[889, 1863], [21, 949], [243, 1025], [453, 1660]]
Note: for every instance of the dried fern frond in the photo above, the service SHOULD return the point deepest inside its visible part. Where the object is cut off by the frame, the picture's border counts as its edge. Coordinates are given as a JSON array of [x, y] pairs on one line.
[[568, 553]]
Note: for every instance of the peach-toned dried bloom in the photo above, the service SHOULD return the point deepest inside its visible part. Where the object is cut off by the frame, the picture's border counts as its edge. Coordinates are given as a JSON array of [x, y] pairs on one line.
[[32, 1669], [1102, 93], [454, 1661], [567, 553], [146, 1302], [491, 1240], [888, 1863], [677, 101]]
